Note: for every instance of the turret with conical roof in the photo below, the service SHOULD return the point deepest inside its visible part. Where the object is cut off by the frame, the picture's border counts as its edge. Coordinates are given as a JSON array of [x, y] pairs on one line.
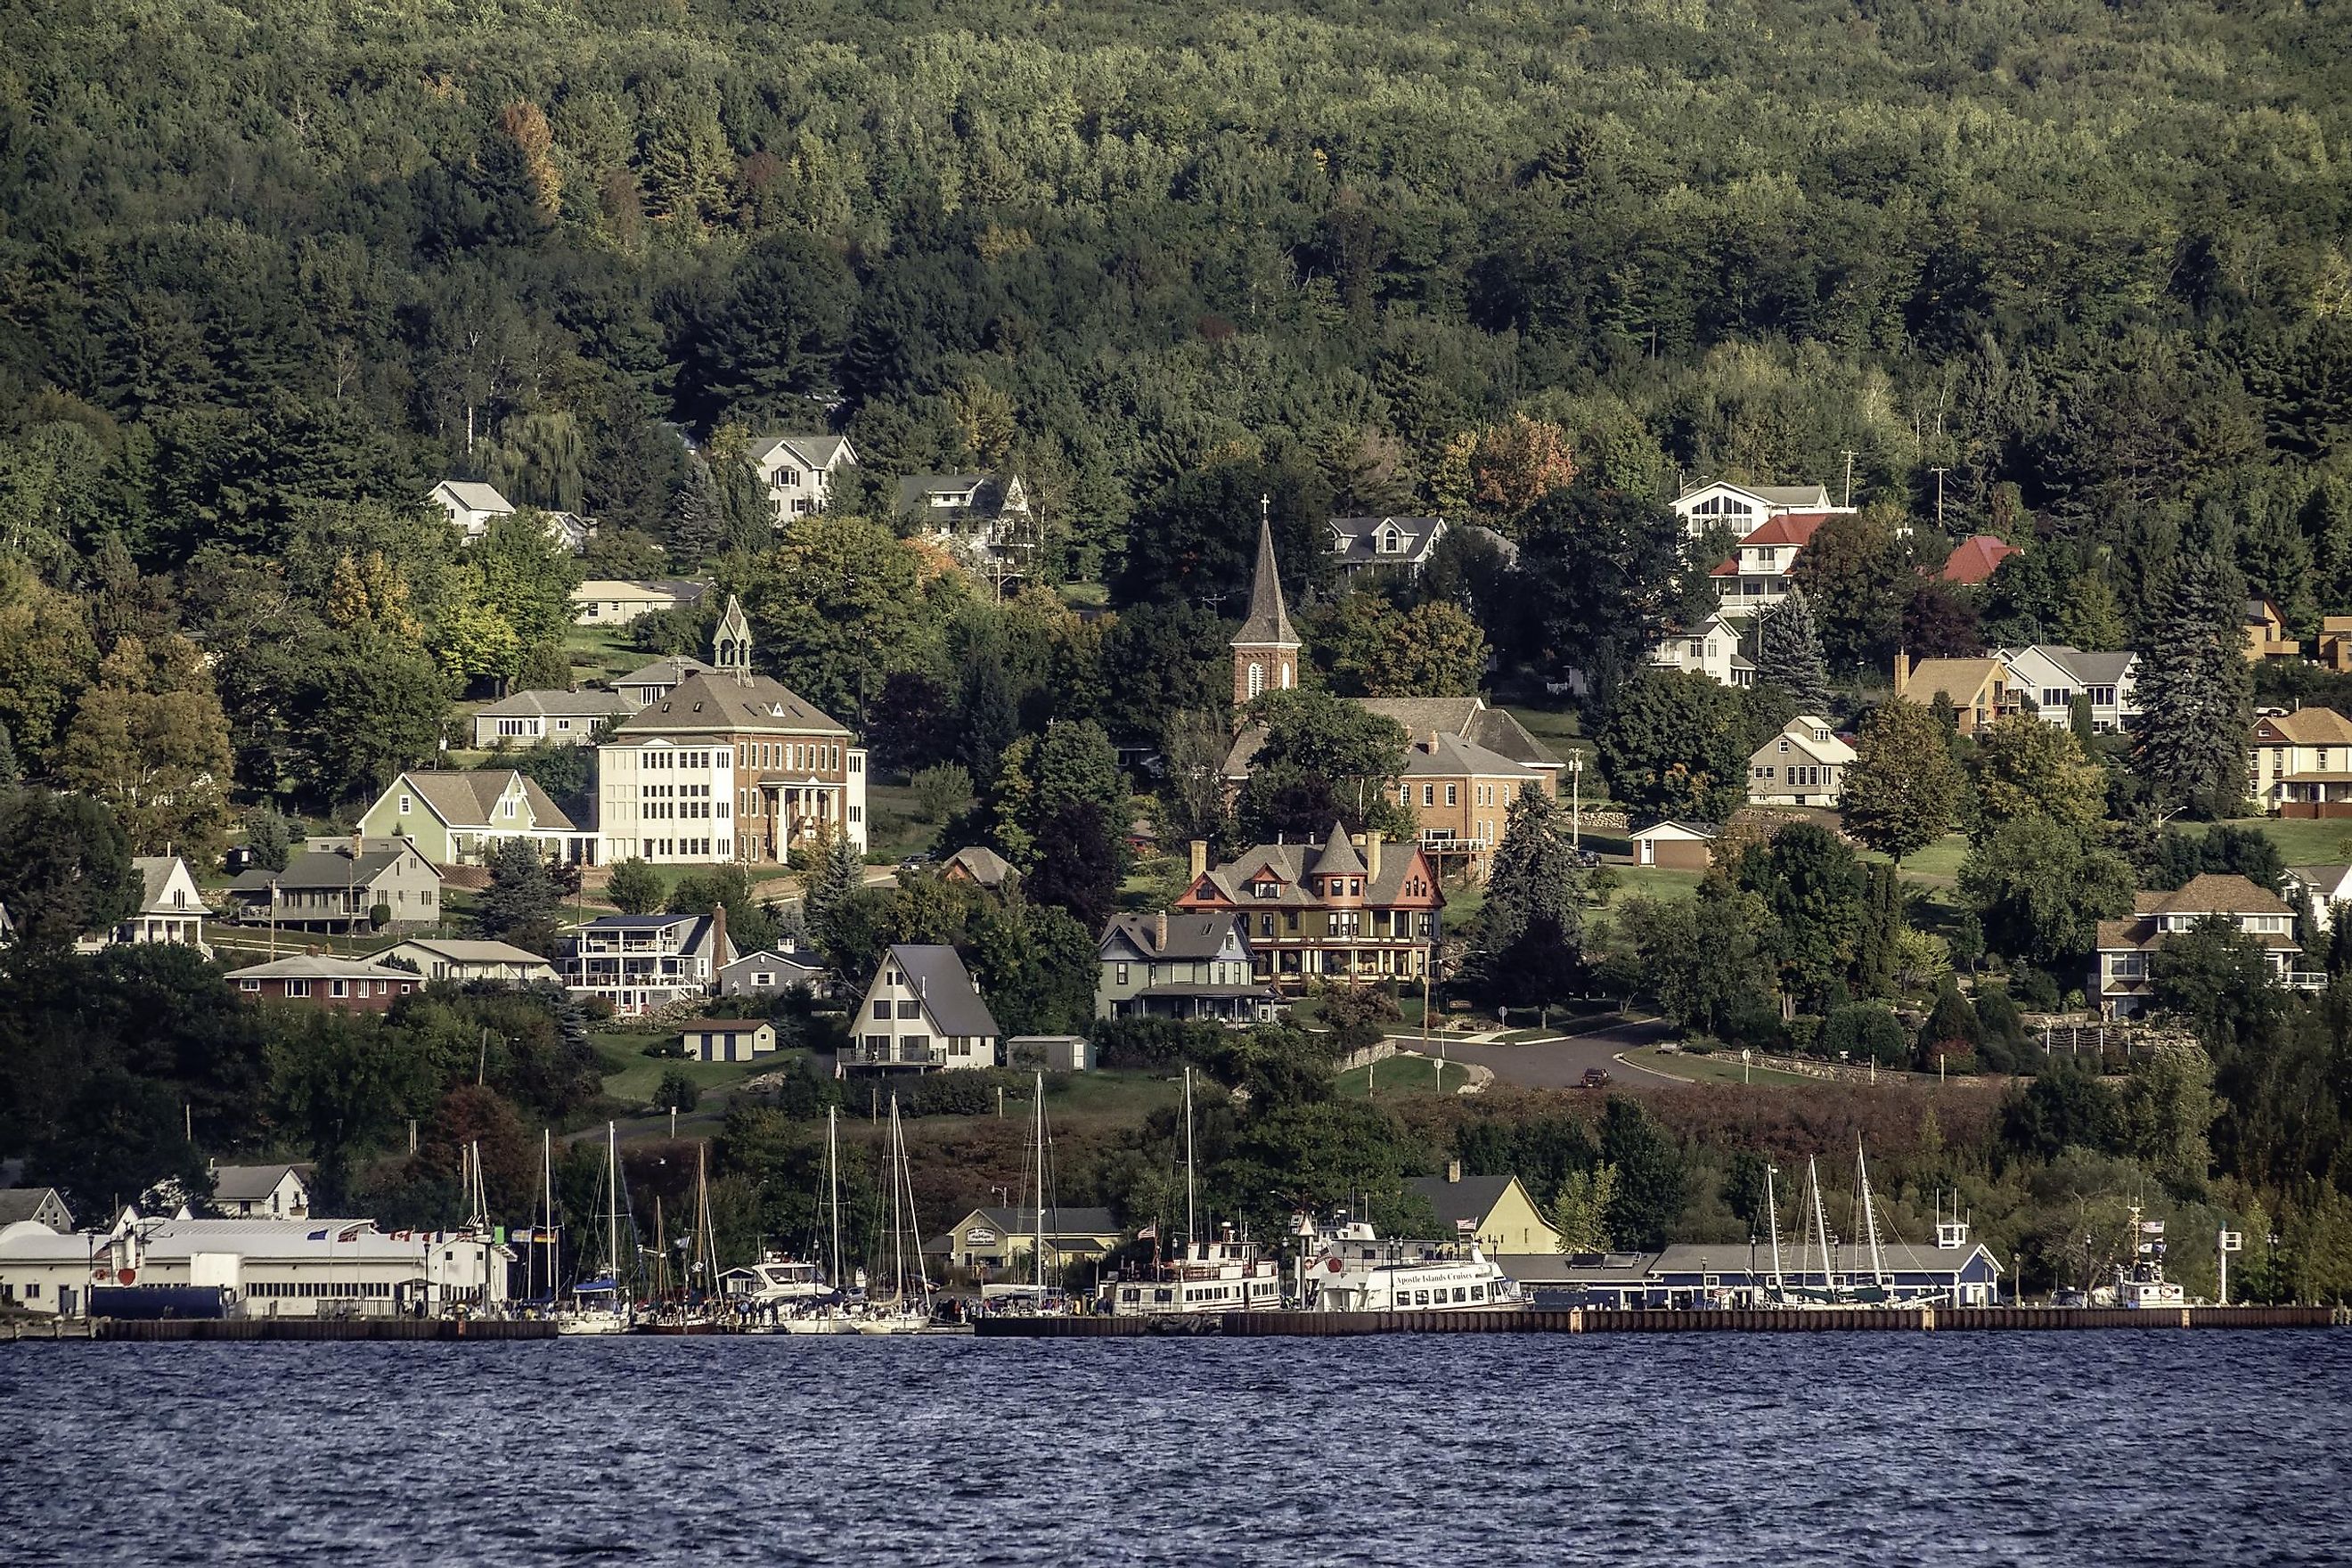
[[1265, 650]]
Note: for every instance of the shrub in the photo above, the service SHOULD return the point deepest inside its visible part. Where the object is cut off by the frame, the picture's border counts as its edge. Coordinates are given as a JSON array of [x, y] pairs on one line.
[[1863, 1031]]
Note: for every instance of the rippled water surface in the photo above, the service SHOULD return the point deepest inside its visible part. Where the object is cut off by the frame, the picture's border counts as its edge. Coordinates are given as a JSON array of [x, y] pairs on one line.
[[2082, 1448]]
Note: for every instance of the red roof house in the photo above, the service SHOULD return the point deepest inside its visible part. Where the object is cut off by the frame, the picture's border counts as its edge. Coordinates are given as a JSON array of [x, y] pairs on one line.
[[1976, 558]]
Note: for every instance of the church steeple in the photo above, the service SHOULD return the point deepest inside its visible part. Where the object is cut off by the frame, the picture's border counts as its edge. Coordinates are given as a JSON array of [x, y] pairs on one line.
[[730, 645], [1265, 650]]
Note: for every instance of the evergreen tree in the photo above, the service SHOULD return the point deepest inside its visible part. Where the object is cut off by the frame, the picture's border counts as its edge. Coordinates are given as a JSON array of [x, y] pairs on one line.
[[989, 718], [1525, 948], [2195, 690], [831, 891], [12, 777], [698, 527], [269, 836], [1789, 654], [1077, 863], [521, 903], [1882, 921]]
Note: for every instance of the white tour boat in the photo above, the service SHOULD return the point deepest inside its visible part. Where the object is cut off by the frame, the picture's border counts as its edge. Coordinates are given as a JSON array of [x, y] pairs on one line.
[[2143, 1283], [1350, 1269], [1222, 1275]]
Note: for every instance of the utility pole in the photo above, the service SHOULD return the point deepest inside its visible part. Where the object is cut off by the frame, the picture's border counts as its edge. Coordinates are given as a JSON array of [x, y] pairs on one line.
[[1848, 481], [1939, 474]]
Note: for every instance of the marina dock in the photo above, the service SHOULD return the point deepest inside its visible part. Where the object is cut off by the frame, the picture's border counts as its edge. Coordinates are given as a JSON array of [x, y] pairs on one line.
[[157, 1331], [1600, 1321]]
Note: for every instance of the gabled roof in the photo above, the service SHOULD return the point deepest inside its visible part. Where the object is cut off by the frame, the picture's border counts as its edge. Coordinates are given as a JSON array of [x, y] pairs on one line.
[[986, 493], [694, 1026], [557, 705], [251, 1184], [1471, 1199], [323, 966], [981, 864], [1959, 678], [468, 951], [1267, 625], [2211, 892], [1801, 730], [1771, 495], [1065, 1220], [715, 703], [23, 1202], [938, 975], [666, 672], [2308, 727], [1671, 828], [680, 588], [1976, 558], [813, 451], [471, 799], [1796, 528], [331, 868], [1439, 756], [2083, 668], [155, 878], [1356, 540], [1467, 717], [1189, 936], [1289, 863], [475, 496], [768, 957], [636, 922]]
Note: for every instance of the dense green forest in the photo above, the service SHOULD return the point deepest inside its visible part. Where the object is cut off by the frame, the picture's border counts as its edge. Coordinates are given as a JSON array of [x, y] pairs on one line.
[[2076, 274]]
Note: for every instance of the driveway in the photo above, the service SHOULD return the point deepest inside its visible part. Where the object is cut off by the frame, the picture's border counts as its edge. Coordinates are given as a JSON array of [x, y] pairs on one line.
[[1558, 1063]]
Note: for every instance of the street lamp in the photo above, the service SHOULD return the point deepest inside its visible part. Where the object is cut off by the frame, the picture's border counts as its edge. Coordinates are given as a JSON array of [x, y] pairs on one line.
[[1575, 800]]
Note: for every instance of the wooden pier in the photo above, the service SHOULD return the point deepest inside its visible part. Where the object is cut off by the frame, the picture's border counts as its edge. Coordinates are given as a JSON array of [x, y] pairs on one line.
[[158, 1331], [1600, 1320]]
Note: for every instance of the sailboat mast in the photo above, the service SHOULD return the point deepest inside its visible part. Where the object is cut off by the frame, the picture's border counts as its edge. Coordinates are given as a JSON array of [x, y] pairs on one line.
[[1821, 1221], [612, 1207], [897, 1217], [832, 1172], [1188, 1161], [1038, 1219], [1869, 1214], [1772, 1218]]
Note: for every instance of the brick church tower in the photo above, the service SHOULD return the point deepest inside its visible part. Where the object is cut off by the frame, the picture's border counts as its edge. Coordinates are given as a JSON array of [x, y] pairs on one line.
[[1265, 650]]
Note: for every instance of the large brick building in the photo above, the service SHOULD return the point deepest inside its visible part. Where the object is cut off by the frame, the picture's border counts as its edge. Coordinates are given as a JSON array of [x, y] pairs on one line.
[[727, 765]]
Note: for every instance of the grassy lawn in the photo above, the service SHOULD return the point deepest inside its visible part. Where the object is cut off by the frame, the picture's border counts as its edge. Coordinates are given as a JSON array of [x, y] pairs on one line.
[[639, 1075], [1661, 882], [2303, 841], [1403, 1075], [1938, 864], [600, 653], [1723, 1069], [894, 827]]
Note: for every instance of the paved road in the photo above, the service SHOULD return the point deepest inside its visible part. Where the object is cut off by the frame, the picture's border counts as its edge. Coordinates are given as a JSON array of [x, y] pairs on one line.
[[1559, 1063]]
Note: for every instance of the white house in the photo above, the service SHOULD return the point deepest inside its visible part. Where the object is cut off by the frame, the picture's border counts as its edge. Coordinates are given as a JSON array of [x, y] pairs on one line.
[[615, 602], [983, 517], [547, 718], [44, 1204], [921, 1013], [2315, 891], [170, 906], [2121, 980], [1400, 543], [1719, 503], [768, 972], [796, 471], [1804, 765], [1710, 648], [2054, 674], [472, 506], [461, 960], [1755, 577], [261, 1191], [642, 963], [657, 680]]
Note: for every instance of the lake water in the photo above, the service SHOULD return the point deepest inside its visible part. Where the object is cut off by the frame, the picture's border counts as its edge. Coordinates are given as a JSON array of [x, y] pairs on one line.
[[2075, 1448]]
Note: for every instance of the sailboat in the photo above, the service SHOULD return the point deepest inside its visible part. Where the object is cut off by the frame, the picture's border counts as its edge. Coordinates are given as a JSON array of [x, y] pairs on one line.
[[598, 1305], [904, 1312], [798, 1298], [1224, 1275], [1830, 1293], [696, 1310]]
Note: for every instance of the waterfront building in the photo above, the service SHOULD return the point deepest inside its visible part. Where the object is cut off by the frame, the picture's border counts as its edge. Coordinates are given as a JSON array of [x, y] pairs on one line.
[[1003, 1240], [45, 1205], [1955, 1271], [1496, 1212]]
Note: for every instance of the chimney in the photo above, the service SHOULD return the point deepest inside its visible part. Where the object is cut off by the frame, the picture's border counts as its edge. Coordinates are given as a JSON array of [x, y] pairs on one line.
[[1453, 1171], [718, 951], [1431, 747], [1159, 931], [1902, 671], [1371, 857], [1198, 852], [359, 843]]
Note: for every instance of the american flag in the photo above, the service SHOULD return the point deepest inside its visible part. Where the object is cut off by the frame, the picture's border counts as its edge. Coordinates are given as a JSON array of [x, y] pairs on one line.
[[1148, 1233]]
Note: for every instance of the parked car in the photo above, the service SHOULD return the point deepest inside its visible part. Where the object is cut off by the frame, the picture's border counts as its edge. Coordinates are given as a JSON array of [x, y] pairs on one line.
[[1596, 1077], [1587, 859]]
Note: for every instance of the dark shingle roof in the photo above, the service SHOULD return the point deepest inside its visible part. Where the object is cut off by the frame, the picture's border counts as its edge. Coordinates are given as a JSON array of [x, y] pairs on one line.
[[1468, 1197], [720, 704], [1268, 622], [1189, 936], [938, 976]]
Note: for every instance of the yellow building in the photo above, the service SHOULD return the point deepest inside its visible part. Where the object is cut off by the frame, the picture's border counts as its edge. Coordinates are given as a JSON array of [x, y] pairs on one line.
[[1494, 1211]]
